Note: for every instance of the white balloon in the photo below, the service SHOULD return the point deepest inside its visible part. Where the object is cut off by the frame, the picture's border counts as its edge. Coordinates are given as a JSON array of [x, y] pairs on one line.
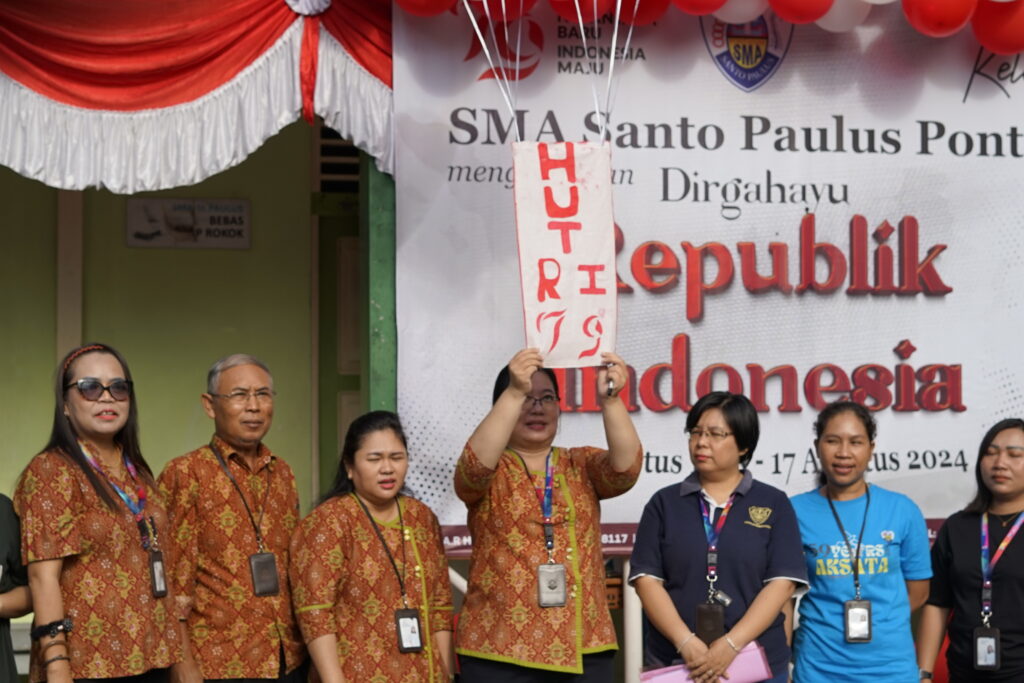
[[742, 11], [844, 15], [880, 2]]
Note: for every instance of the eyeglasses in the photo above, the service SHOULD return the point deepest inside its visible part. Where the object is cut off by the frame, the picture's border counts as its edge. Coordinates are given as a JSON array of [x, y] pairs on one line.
[[240, 397], [1012, 451], [92, 389], [547, 401], [713, 434]]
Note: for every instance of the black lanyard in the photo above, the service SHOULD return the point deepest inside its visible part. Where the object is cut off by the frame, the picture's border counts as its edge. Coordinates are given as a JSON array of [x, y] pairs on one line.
[[401, 527], [266, 494], [855, 559]]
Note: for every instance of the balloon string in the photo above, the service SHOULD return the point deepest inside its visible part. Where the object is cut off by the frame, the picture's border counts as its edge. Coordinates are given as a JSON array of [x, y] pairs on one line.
[[613, 85], [502, 85], [593, 76]]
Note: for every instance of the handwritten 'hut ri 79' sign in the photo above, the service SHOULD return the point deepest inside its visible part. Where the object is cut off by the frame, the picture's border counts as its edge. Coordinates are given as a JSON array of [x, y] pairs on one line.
[[566, 232]]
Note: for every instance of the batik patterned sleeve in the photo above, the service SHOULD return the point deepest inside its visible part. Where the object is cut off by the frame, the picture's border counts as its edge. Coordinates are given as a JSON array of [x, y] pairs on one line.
[[472, 478], [315, 572], [180, 491], [607, 482], [441, 591], [47, 501]]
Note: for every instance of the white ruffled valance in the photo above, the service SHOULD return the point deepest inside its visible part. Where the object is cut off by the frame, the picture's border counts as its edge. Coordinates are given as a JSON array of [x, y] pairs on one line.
[[74, 148], [354, 103]]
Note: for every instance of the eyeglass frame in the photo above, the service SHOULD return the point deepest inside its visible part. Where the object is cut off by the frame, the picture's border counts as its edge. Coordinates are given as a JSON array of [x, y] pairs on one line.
[[242, 397], [77, 384], [543, 401], [698, 432]]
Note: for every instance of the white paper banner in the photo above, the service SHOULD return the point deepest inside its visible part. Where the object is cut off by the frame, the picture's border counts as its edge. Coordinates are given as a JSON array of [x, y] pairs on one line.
[[566, 233]]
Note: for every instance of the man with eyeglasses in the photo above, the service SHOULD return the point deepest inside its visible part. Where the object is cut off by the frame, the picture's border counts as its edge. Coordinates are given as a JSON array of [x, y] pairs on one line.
[[233, 506]]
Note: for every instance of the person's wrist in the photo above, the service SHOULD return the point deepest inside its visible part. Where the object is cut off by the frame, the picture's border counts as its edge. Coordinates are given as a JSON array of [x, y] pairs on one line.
[[684, 642], [732, 644], [924, 675]]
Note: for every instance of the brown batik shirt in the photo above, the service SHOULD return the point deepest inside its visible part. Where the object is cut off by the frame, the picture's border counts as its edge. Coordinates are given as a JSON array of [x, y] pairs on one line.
[[233, 632]]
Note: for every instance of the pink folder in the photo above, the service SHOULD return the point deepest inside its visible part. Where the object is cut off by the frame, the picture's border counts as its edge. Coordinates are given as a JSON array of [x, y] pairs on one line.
[[750, 666]]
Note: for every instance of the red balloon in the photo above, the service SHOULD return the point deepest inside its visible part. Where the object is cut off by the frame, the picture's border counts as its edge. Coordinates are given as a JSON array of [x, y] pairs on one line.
[[939, 18], [699, 7], [642, 12], [567, 9], [513, 8], [999, 26], [800, 11], [425, 8]]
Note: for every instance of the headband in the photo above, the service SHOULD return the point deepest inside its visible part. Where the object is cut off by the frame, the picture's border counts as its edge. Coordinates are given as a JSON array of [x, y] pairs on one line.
[[82, 351]]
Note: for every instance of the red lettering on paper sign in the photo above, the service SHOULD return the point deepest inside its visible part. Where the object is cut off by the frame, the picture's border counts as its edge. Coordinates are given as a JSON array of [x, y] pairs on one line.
[[563, 213]]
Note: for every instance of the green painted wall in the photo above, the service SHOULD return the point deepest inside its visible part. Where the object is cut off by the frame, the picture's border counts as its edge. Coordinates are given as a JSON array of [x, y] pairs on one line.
[[28, 219], [172, 312]]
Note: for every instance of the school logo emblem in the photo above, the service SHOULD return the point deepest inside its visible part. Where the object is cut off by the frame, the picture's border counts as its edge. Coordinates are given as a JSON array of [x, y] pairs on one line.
[[747, 54], [758, 517], [888, 536]]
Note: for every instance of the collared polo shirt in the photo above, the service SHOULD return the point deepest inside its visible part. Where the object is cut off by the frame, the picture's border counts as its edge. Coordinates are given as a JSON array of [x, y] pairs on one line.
[[760, 542]]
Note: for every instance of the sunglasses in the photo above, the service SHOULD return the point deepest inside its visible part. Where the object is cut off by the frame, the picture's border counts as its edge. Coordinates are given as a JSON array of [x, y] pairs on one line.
[[91, 388]]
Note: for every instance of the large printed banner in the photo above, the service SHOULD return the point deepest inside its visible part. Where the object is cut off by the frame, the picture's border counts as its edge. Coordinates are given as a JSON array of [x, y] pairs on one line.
[[566, 250], [800, 216]]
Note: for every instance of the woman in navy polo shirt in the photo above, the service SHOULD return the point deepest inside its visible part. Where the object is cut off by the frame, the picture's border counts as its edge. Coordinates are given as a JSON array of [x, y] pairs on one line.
[[707, 606]]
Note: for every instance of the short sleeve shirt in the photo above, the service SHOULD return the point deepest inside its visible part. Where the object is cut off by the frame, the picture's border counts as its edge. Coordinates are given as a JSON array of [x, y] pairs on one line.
[[13, 575], [233, 632], [120, 629], [500, 619], [894, 550], [759, 542], [956, 585], [343, 583]]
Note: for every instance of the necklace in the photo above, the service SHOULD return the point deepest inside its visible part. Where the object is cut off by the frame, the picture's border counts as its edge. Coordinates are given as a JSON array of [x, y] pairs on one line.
[[1005, 520]]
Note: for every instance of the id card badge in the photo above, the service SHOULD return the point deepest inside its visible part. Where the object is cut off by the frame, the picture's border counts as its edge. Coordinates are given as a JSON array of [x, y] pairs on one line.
[[986, 649], [857, 621], [264, 574], [551, 585], [407, 626], [710, 622], [157, 575]]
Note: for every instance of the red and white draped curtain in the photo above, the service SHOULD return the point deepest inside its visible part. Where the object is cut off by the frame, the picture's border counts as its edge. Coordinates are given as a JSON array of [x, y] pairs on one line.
[[150, 94]]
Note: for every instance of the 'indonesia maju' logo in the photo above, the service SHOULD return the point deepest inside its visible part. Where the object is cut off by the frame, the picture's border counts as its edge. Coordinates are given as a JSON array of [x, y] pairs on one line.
[[747, 54]]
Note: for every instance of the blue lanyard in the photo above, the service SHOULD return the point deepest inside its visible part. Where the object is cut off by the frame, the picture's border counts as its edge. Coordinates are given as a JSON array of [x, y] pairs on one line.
[[544, 498], [147, 528]]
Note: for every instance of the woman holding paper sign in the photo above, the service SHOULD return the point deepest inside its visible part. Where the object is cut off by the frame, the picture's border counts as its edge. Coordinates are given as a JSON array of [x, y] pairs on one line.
[[985, 530], [855, 619], [536, 608], [717, 557]]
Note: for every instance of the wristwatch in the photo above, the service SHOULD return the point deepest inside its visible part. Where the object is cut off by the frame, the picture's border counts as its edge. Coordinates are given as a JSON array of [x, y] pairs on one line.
[[924, 675], [52, 629]]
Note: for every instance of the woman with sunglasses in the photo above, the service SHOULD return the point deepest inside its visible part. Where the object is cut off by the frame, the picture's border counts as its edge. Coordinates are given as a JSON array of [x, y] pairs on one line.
[[717, 558], [536, 608], [979, 571], [855, 618], [93, 534], [368, 573]]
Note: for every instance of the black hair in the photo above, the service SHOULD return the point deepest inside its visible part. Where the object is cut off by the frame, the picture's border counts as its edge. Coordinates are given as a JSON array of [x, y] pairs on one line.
[[837, 408], [983, 498], [358, 430], [64, 440], [504, 378], [739, 414]]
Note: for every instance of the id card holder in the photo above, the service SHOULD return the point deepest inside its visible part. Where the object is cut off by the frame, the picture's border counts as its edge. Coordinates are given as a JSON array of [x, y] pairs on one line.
[[407, 627], [157, 574], [551, 585], [857, 621], [264, 574], [986, 649], [710, 622]]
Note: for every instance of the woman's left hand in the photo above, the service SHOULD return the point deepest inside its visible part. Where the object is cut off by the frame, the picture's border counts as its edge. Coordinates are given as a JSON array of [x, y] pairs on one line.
[[613, 370], [719, 656]]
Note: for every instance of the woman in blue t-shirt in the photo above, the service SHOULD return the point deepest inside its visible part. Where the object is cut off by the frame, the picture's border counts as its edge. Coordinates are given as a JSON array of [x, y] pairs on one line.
[[855, 620]]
